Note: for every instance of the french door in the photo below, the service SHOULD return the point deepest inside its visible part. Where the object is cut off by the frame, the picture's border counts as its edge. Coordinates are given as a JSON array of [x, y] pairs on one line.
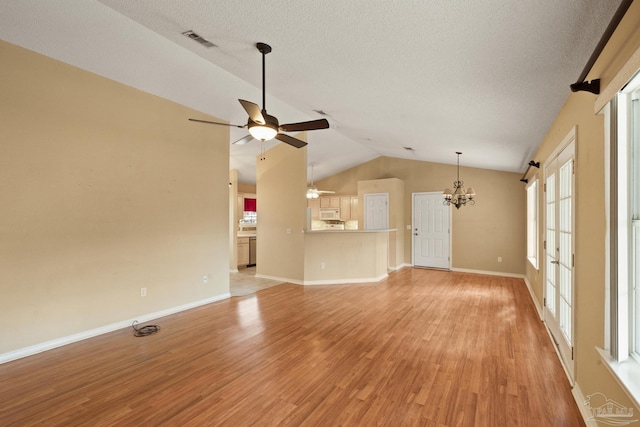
[[559, 250]]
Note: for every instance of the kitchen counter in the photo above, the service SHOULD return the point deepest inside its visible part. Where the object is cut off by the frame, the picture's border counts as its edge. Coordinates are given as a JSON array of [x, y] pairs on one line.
[[345, 256], [246, 234], [350, 231]]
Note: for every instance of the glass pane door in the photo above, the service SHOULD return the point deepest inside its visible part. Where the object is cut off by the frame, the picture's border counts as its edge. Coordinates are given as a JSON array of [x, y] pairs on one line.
[[559, 259]]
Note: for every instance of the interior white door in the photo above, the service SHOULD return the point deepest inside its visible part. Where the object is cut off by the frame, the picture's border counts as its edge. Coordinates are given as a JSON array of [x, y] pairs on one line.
[[376, 211], [431, 231], [559, 250]]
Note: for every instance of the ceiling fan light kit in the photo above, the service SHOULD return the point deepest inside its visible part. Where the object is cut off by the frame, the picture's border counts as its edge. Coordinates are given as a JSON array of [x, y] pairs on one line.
[[265, 132], [312, 193], [265, 127], [312, 190], [459, 197]]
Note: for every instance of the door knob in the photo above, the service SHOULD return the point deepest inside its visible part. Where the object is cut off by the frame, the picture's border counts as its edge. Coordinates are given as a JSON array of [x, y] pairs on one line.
[[555, 262]]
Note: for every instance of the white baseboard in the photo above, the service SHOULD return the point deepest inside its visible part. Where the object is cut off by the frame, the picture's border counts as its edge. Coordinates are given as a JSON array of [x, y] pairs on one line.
[[489, 273], [345, 281], [580, 400], [533, 297], [59, 342], [399, 267], [279, 279], [325, 282]]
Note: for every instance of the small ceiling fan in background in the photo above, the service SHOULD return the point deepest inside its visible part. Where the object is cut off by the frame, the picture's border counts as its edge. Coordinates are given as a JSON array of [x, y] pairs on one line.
[[265, 127], [312, 190]]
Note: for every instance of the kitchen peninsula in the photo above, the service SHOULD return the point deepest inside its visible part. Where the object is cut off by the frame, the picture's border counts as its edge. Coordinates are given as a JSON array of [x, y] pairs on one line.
[[346, 256]]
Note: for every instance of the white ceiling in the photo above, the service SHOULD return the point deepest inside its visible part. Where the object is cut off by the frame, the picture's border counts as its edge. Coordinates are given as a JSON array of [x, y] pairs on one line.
[[483, 77]]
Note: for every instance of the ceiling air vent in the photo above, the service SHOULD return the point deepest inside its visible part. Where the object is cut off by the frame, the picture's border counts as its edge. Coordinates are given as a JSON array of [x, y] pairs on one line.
[[194, 36]]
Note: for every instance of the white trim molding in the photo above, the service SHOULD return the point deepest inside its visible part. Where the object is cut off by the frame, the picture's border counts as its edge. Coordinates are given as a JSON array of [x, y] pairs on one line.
[[399, 267], [628, 70], [488, 273], [280, 279], [345, 281], [326, 281], [578, 396], [59, 342], [626, 373], [533, 298]]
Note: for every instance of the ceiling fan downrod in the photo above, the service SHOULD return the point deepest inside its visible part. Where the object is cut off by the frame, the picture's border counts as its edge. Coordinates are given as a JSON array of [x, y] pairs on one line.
[[264, 49]]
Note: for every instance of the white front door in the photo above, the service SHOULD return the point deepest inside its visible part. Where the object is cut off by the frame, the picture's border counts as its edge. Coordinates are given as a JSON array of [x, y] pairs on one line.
[[376, 211], [559, 249], [431, 231]]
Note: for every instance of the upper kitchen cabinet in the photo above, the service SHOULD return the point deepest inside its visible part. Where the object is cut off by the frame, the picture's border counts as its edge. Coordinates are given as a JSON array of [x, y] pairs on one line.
[[348, 206], [345, 208], [355, 210], [330, 202]]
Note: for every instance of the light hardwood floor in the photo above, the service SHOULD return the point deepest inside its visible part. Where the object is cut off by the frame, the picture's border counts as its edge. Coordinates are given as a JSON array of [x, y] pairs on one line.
[[423, 347]]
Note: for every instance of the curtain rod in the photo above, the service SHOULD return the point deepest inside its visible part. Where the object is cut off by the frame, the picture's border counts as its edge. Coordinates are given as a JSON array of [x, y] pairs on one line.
[[531, 163], [594, 85]]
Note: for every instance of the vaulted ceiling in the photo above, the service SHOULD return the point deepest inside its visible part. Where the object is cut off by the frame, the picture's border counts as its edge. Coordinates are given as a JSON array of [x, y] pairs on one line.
[[437, 76]]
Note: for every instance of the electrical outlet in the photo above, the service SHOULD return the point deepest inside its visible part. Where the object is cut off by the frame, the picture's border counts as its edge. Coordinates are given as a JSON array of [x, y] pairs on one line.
[[205, 279], [143, 292], [499, 259], [322, 266]]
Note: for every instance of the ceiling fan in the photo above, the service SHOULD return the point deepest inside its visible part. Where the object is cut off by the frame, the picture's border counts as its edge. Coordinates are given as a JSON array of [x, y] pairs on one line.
[[312, 190], [265, 127]]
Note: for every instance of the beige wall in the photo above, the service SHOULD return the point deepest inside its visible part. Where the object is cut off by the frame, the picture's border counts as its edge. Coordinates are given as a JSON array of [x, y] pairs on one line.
[[494, 227], [281, 192], [347, 257], [246, 188], [589, 271], [395, 188], [104, 189]]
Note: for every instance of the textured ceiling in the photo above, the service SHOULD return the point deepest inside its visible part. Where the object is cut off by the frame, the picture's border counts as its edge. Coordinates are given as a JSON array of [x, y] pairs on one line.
[[483, 77]]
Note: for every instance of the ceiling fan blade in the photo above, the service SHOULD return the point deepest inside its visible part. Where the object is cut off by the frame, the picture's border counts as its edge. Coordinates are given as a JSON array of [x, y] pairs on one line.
[[217, 123], [310, 125], [325, 192], [253, 111], [243, 140], [290, 140]]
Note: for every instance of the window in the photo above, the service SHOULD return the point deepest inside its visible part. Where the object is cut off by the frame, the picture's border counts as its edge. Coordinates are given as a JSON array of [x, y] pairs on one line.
[[623, 170], [532, 222], [633, 102], [627, 232]]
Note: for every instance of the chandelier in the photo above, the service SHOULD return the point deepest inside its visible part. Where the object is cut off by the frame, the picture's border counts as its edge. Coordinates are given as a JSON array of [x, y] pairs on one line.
[[459, 197]]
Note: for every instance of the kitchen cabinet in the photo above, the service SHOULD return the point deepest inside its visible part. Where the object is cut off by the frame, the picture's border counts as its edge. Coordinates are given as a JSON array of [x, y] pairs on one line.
[[345, 208], [354, 207], [314, 204], [330, 202], [243, 251], [348, 206]]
